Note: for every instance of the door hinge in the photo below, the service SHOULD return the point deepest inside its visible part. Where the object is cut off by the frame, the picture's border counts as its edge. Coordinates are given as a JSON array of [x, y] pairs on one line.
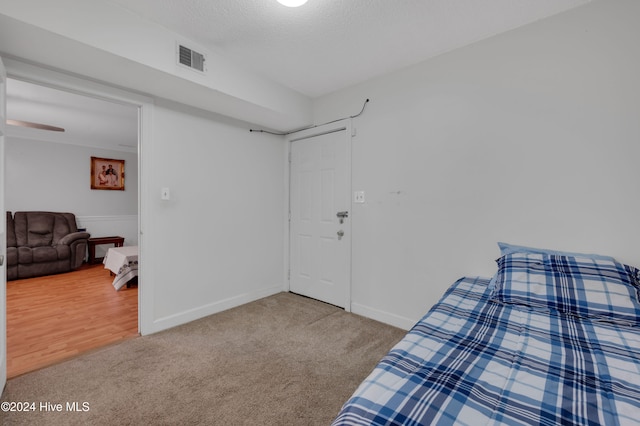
[[289, 156]]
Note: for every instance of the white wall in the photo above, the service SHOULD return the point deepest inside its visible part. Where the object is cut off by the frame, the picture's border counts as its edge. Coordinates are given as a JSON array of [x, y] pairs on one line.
[[50, 176], [218, 242], [530, 137], [42, 175]]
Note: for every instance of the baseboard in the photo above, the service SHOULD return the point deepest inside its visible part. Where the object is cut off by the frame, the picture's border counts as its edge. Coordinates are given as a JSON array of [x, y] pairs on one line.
[[382, 316], [170, 321]]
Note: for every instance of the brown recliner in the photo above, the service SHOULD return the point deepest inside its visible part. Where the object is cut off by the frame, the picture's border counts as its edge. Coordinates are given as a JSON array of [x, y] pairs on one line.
[[43, 243]]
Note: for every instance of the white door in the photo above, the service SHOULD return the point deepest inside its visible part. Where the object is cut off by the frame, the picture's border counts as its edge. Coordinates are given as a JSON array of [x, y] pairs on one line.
[[320, 229], [3, 244]]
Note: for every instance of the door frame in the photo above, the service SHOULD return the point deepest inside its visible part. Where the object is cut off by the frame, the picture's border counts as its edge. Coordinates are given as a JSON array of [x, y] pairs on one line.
[[341, 125], [77, 84], [3, 230]]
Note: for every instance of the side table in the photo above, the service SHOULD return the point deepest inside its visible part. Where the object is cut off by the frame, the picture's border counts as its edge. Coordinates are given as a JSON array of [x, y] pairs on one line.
[[93, 242]]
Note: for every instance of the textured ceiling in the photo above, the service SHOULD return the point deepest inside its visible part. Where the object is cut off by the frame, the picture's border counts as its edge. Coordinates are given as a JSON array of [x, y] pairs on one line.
[[315, 49], [326, 45]]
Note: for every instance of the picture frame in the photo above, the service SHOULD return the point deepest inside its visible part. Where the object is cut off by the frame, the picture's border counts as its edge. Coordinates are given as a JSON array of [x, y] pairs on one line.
[[107, 173]]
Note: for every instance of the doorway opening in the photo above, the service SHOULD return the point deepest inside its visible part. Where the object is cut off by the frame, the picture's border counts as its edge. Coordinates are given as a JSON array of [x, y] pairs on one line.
[[50, 171]]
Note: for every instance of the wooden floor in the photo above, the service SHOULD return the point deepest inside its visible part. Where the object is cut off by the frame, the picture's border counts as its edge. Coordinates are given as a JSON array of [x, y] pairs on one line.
[[53, 318]]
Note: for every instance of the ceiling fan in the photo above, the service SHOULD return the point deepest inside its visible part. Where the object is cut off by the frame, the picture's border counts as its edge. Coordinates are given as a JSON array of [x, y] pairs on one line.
[[20, 123]]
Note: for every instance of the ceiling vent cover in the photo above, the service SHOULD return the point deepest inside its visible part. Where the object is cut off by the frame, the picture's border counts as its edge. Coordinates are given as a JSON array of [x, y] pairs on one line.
[[191, 58]]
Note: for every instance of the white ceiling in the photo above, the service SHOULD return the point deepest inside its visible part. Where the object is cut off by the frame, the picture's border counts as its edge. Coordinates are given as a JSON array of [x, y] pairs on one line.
[[326, 45], [87, 121], [316, 49]]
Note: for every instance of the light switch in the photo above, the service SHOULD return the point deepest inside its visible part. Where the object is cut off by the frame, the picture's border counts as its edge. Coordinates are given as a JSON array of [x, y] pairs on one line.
[[165, 194], [358, 197]]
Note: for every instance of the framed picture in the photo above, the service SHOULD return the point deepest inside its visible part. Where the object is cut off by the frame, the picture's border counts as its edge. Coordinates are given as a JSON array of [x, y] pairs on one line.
[[107, 173]]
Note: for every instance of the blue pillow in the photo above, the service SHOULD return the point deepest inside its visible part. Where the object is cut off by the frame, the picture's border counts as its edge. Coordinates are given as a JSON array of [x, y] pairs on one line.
[[595, 289], [506, 248]]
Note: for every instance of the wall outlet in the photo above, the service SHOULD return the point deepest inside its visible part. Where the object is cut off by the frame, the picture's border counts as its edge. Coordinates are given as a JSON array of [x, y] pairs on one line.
[[358, 197]]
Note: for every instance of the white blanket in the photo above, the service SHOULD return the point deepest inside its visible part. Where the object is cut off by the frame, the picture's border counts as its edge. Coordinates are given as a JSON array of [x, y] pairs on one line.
[[123, 262]]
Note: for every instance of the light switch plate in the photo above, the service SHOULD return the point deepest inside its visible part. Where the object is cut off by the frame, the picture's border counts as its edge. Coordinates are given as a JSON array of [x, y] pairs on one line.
[[358, 197]]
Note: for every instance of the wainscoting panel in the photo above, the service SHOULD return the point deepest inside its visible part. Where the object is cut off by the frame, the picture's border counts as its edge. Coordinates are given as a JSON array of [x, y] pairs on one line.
[[106, 226]]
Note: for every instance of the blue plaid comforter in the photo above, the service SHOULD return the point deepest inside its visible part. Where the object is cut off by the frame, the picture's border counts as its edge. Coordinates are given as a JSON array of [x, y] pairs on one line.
[[471, 361]]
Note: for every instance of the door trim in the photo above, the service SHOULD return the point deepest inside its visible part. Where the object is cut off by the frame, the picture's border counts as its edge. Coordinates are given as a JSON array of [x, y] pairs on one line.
[[342, 125], [3, 230]]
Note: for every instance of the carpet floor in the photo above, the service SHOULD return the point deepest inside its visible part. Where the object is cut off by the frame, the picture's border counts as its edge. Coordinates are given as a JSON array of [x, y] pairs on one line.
[[281, 360]]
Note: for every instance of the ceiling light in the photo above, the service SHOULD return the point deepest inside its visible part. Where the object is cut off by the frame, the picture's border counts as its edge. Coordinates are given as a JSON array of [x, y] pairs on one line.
[[292, 3]]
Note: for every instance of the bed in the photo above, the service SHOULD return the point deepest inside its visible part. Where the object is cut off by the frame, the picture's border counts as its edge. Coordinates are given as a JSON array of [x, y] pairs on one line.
[[123, 263], [553, 338]]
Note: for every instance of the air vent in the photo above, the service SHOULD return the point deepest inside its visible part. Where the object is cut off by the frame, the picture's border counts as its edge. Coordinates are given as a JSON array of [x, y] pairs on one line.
[[191, 58]]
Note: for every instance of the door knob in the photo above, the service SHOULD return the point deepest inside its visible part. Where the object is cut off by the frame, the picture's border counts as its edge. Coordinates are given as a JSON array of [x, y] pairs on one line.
[[340, 234]]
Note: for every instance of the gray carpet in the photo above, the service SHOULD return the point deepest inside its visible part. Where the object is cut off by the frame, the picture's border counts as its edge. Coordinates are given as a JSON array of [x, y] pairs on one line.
[[282, 360]]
